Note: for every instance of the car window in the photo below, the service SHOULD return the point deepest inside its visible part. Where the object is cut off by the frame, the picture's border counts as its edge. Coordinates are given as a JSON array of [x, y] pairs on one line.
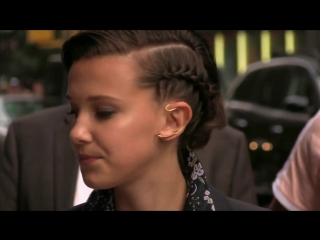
[[274, 87], [247, 88], [300, 84]]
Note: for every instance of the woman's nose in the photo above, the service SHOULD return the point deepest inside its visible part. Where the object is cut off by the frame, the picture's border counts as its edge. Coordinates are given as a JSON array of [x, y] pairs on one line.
[[80, 132]]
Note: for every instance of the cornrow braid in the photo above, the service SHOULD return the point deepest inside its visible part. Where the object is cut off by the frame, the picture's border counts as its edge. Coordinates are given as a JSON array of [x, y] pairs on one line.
[[207, 90], [176, 63]]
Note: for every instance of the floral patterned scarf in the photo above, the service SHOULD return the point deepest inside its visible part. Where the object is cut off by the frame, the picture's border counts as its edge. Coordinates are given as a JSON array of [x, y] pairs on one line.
[[198, 193]]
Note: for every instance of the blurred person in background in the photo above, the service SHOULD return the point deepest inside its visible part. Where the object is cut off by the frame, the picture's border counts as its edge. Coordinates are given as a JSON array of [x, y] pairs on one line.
[[297, 185], [227, 163], [38, 88], [38, 169]]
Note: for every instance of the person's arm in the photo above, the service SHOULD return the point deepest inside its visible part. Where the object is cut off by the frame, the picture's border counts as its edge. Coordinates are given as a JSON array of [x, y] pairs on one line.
[[275, 205], [296, 186], [9, 173], [243, 187]]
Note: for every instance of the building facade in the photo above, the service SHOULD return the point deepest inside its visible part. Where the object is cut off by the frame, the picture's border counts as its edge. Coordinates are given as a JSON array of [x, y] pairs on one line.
[[233, 50]]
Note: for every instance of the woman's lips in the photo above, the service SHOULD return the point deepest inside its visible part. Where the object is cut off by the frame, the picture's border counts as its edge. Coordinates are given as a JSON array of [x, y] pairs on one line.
[[87, 159]]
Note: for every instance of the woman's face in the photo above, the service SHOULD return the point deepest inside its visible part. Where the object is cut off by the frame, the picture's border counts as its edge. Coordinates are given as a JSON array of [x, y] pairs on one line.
[[116, 121]]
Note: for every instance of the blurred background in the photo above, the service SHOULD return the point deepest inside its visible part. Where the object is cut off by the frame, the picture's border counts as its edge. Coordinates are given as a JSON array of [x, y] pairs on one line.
[[270, 82]]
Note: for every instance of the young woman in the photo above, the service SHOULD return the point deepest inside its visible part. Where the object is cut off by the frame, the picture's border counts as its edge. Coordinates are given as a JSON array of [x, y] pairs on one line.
[[143, 100]]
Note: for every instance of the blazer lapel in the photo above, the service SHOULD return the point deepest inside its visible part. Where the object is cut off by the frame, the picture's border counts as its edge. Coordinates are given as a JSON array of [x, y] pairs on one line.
[[65, 166], [220, 201]]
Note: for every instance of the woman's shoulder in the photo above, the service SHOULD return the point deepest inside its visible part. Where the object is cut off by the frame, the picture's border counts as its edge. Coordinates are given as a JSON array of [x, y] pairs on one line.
[[224, 203]]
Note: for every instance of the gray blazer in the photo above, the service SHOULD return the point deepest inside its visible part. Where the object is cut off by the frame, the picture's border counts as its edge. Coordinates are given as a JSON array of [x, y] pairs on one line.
[[38, 170], [226, 162]]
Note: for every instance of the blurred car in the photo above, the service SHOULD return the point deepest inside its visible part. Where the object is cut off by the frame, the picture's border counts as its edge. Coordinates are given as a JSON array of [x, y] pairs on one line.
[[13, 106], [271, 102]]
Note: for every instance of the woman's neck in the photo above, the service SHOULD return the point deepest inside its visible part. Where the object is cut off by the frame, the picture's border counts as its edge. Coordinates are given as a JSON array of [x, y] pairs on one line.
[[164, 188]]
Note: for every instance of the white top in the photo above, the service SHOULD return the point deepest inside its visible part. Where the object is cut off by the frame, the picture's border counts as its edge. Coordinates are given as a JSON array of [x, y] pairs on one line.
[[297, 184], [82, 191], [3, 130]]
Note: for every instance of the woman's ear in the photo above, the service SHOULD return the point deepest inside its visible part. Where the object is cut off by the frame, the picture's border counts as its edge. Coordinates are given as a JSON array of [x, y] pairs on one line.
[[177, 117]]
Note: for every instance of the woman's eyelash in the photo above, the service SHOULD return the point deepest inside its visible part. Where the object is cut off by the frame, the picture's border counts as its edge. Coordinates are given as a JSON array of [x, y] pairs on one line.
[[104, 114], [71, 112], [99, 114]]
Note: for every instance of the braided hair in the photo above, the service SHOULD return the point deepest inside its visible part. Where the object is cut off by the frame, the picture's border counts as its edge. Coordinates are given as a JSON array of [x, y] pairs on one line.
[[176, 63]]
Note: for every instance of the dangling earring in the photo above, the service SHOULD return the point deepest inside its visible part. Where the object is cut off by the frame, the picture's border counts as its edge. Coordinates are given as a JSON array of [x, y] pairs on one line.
[[162, 136]]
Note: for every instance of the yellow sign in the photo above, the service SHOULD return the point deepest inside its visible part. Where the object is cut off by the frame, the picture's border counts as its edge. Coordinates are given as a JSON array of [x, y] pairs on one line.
[[40, 36], [48, 38]]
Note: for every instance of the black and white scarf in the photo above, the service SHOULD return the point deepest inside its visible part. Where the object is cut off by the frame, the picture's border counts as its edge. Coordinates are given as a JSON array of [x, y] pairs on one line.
[[198, 196]]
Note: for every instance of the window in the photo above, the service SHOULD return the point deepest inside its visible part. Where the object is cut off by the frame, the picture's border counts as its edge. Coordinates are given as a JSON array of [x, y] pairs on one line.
[[300, 84], [246, 89], [299, 92], [274, 87]]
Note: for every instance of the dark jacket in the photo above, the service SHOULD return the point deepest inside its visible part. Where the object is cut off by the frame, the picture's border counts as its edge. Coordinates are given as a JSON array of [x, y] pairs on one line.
[[221, 203], [38, 170]]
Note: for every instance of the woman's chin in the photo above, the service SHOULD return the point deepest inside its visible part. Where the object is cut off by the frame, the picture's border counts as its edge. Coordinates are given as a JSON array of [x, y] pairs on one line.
[[95, 183]]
